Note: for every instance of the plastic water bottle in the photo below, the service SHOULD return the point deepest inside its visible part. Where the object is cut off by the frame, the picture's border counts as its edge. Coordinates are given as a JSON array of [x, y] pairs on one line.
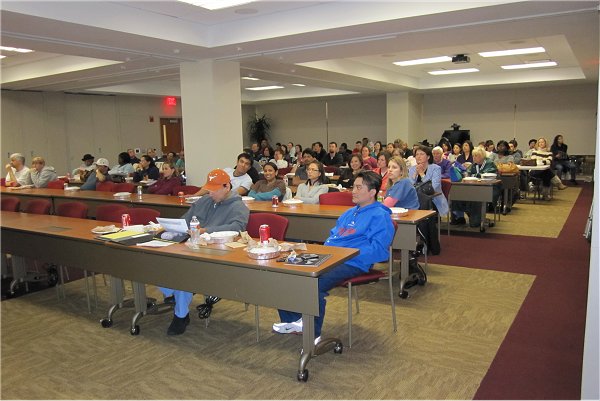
[[139, 192], [380, 196], [194, 230]]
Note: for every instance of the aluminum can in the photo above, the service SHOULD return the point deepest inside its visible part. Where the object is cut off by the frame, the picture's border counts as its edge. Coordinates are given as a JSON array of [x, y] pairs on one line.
[[65, 186], [125, 219], [264, 231], [181, 197], [275, 201]]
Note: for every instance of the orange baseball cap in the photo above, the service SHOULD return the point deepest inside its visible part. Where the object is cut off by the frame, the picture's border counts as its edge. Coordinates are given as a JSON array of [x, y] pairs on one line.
[[216, 179]]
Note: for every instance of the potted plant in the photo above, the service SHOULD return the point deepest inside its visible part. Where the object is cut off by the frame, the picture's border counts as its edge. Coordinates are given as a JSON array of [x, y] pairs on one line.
[[259, 128]]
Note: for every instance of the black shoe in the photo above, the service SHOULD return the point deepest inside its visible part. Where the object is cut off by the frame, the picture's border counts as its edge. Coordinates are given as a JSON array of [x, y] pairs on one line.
[[178, 325], [454, 221], [169, 300]]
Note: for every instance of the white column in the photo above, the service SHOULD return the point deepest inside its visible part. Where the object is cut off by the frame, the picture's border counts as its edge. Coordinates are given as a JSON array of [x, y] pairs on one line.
[[404, 117], [212, 117]]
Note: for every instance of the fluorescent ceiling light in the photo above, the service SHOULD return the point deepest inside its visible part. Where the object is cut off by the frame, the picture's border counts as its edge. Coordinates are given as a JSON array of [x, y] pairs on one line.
[[530, 65], [499, 53], [298, 85], [15, 49], [217, 4], [430, 60], [448, 72], [250, 78], [264, 88], [2, 56]]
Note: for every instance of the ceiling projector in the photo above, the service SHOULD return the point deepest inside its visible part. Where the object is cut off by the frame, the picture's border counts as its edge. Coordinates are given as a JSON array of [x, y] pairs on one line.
[[461, 59]]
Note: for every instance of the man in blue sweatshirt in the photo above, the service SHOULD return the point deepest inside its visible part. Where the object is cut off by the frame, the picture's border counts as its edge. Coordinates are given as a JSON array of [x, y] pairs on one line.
[[367, 226], [220, 210]]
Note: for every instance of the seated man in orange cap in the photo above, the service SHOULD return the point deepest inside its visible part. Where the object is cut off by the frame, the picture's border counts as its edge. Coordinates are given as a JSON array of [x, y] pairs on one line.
[[220, 210]]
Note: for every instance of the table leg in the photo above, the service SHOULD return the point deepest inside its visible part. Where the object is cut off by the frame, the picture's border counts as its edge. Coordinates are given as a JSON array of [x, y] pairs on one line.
[[310, 350], [116, 300], [404, 263]]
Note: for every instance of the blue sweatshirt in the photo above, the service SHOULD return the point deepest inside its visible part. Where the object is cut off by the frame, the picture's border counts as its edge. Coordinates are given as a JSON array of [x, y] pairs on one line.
[[369, 229]]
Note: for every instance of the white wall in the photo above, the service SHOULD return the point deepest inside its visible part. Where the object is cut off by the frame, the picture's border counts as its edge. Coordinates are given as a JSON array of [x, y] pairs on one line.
[[569, 110], [63, 127]]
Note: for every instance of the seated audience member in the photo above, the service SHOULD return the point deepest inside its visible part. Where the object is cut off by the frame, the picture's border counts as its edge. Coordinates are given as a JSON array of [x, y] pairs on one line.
[[132, 156], [297, 153], [333, 157], [466, 157], [383, 159], [405, 152], [180, 163], [278, 159], [146, 170], [514, 151], [532, 145], [357, 147], [299, 170], [345, 152], [423, 172], [40, 174], [239, 177], [18, 173], [481, 164], [320, 153], [86, 167], [390, 147], [168, 182], [369, 163], [446, 147], [347, 175], [286, 154], [269, 186], [503, 153], [255, 151], [291, 149], [543, 156], [266, 156], [152, 153], [438, 158], [400, 192], [100, 175], [367, 227], [456, 150], [309, 191], [253, 172], [123, 168], [562, 162], [376, 150], [221, 210]]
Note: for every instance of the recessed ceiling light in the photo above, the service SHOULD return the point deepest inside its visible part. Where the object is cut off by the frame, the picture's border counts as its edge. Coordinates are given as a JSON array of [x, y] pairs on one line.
[[430, 60], [298, 84], [537, 64], [448, 72], [216, 4], [250, 78], [15, 49], [500, 53], [264, 88]]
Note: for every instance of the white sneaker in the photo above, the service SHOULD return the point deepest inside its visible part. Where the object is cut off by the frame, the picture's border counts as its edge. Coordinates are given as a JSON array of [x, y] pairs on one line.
[[288, 328], [317, 340]]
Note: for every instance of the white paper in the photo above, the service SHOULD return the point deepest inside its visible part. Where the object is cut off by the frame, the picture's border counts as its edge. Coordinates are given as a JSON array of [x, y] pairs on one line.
[[173, 225], [155, 243]]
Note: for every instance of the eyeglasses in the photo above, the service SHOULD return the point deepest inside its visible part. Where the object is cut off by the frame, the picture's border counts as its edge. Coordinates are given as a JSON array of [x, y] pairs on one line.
[[312, 169]]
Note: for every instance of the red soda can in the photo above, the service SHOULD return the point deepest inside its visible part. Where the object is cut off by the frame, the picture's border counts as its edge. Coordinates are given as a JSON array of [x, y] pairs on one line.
[[125, 219], [181, 197], [264, 231], [275, 201]]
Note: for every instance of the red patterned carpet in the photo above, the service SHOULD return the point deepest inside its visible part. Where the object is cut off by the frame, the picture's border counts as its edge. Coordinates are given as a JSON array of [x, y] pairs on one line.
[[541, 356]]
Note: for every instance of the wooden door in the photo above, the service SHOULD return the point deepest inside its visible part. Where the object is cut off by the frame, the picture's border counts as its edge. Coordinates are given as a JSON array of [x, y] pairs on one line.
[[171, 135]]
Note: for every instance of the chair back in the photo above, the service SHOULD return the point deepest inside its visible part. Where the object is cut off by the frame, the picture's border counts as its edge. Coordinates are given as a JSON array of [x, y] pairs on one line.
[[38, 206], [72, 209], [3, 182], [56, 184], [277, 223], [186, 189], [10, 204], [331, 169], [124, 187], [142, 215], [110, 212], [336, 198], [446, 184], [283, 171], [107, 186]]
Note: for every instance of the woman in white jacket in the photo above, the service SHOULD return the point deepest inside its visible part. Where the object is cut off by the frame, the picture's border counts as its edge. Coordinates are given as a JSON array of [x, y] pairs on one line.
[[309, 191]]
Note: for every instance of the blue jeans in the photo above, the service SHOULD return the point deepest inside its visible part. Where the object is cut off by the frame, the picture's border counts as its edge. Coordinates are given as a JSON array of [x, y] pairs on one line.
[[327, 281], [183, 299]]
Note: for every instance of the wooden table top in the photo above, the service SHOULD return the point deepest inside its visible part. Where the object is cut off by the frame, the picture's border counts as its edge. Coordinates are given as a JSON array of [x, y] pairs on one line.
[[80, 229]]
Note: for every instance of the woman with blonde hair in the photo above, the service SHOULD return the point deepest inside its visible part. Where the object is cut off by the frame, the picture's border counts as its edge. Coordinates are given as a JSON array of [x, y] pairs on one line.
[[400, 192], [40, 174]]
